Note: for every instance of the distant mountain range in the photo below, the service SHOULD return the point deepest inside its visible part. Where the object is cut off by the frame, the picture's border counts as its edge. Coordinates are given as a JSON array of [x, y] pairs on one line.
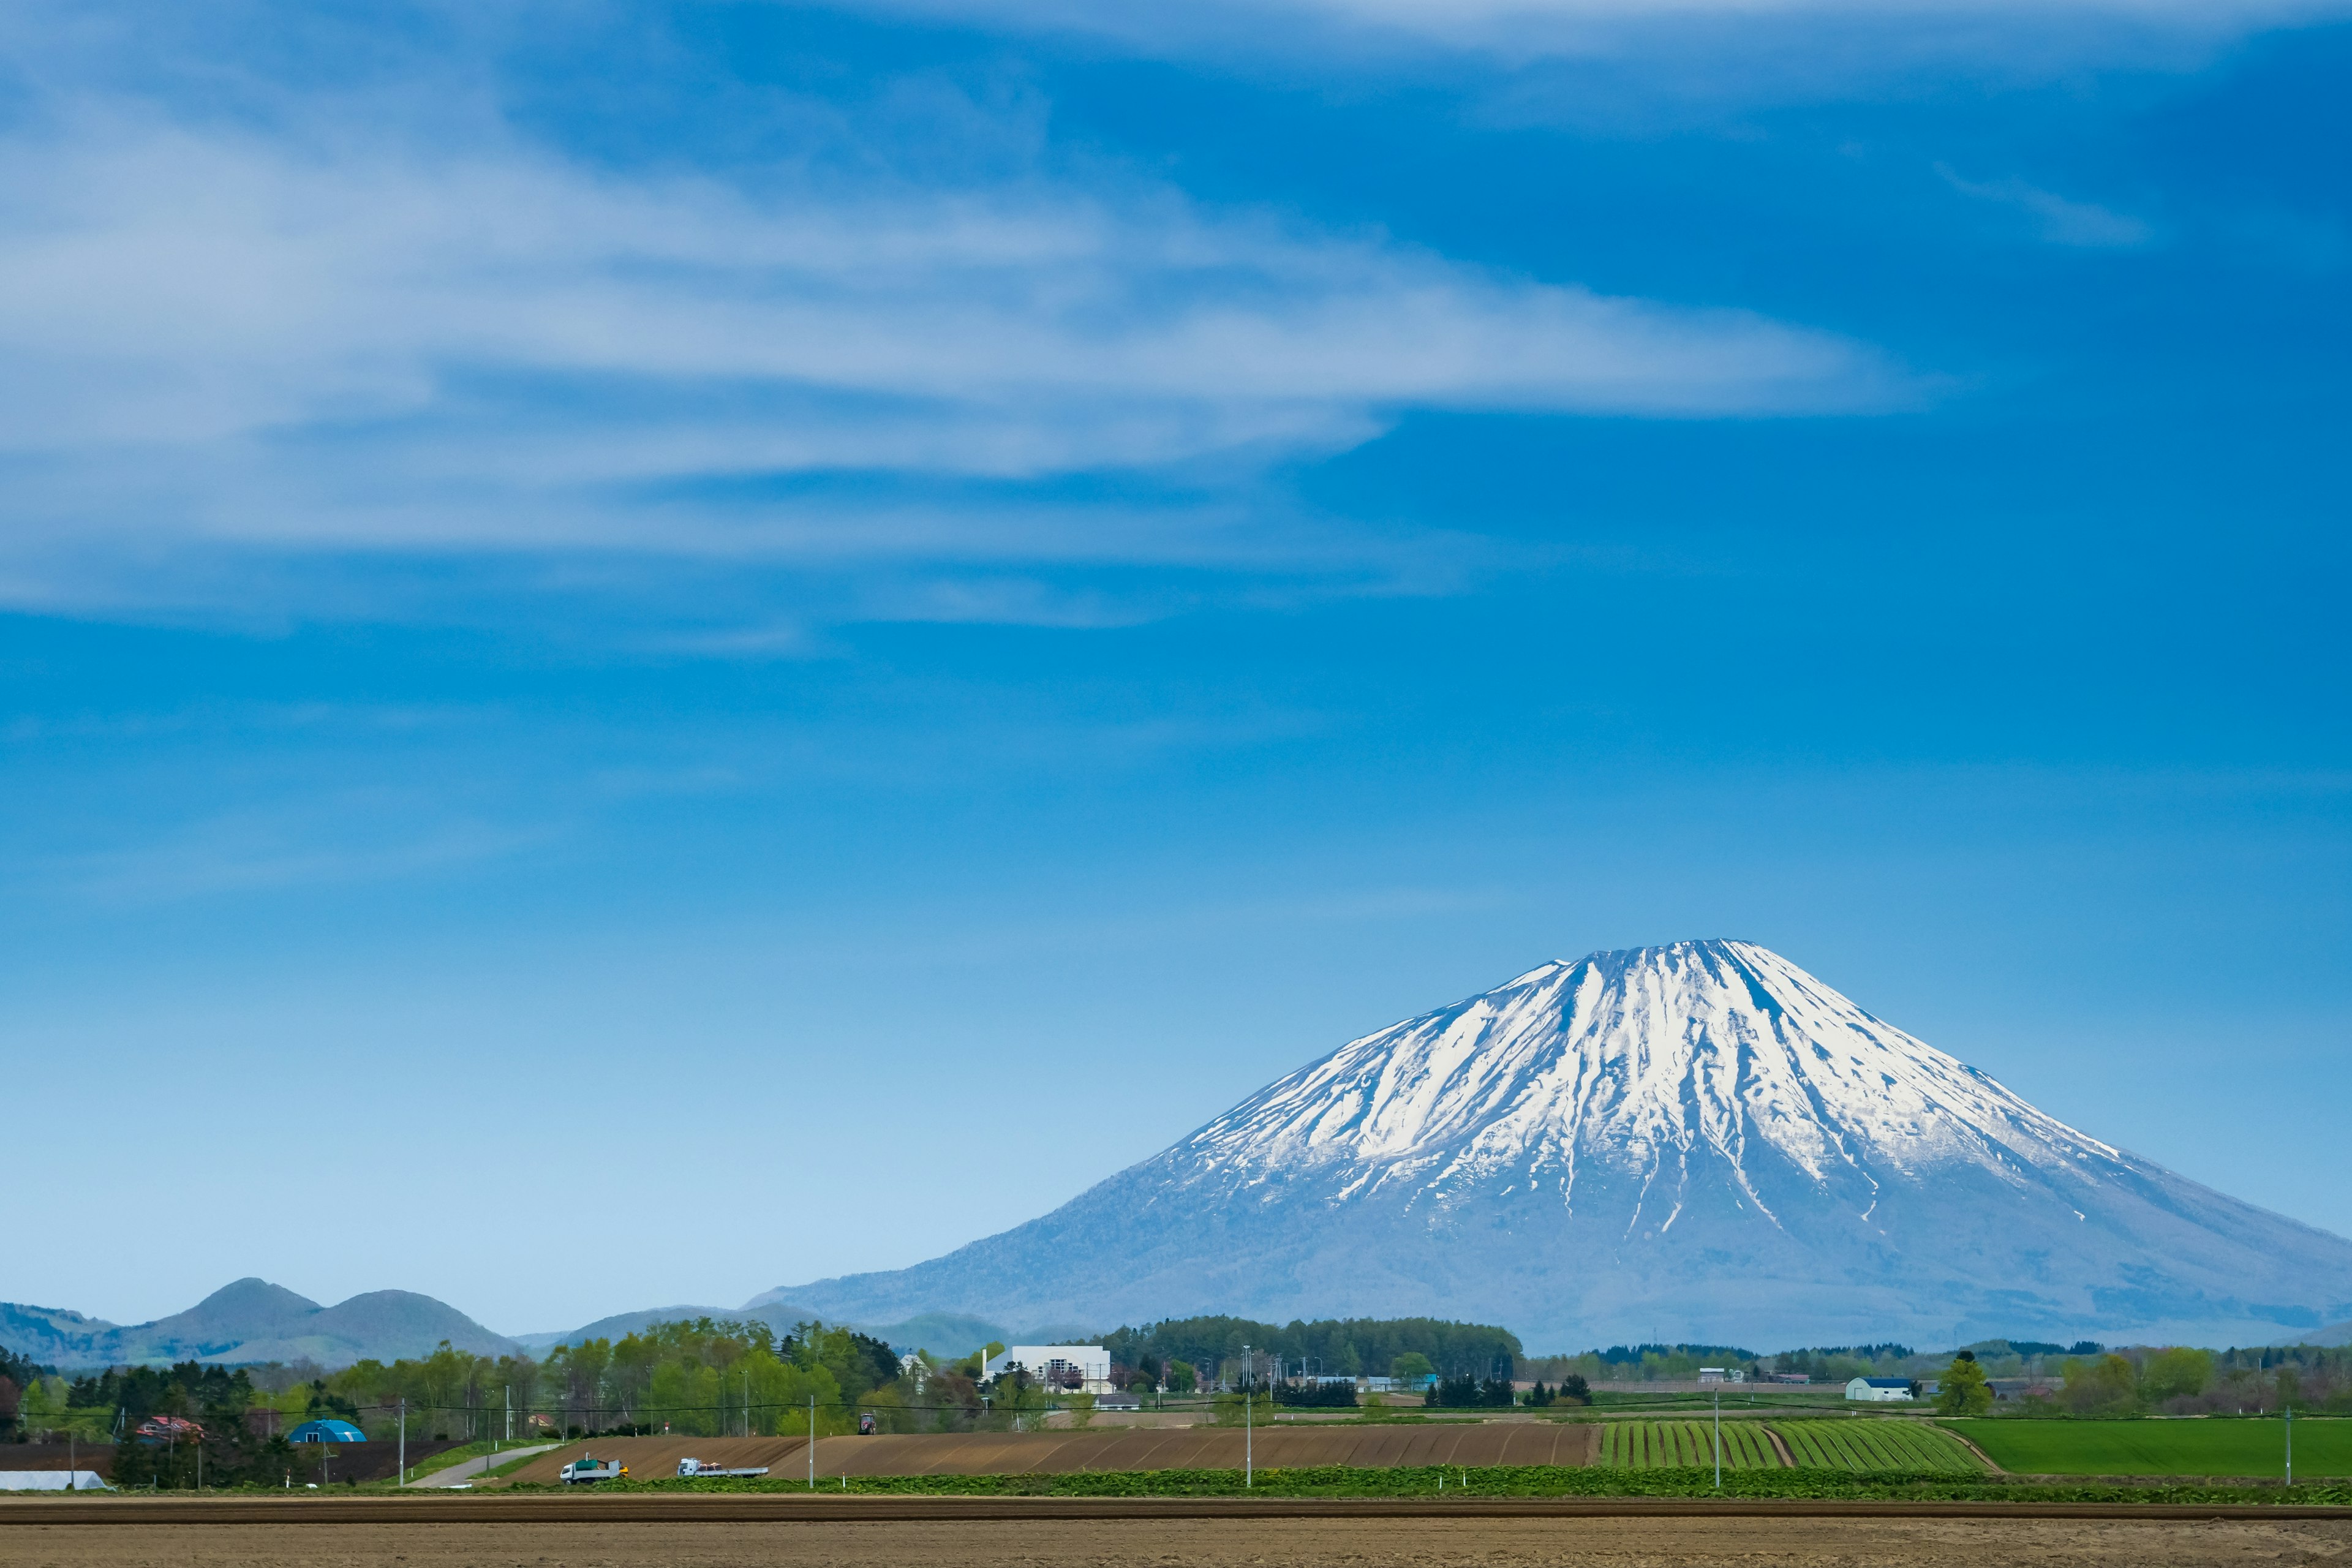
[[253, 1321], [249, 1322], [1699, 1141]]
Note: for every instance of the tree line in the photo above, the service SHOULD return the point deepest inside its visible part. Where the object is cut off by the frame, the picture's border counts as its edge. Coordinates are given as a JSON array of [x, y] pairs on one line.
[[1210, 1348]]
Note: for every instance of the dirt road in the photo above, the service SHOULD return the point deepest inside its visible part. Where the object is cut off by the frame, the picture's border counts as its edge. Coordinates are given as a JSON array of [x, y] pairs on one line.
[[463, 1472], [1228, 1543]]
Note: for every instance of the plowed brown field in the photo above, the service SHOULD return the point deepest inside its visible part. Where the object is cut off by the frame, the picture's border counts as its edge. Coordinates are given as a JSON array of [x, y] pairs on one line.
[[1225, 1543], [1057, 1453]]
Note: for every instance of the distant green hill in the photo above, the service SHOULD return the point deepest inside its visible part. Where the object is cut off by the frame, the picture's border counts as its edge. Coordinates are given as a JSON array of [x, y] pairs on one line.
[[252, 1321], [941, 1334]]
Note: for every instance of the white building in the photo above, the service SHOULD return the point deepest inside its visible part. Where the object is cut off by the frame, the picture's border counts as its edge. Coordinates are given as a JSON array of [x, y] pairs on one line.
[[1880, 1390], [1718, 1374], [1058, 1366]]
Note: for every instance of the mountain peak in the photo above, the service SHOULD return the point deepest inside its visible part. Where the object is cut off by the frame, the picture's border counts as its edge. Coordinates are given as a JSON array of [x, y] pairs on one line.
[[1625, 1062], [250, 1320], [1698, 1138], [248, 1302]]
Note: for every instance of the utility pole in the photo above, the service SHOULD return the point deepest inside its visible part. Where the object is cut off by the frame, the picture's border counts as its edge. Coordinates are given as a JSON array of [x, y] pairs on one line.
[[2290, 1444], [1249, 1457], [404, 1439], [811, 1442], [1718, 1439]]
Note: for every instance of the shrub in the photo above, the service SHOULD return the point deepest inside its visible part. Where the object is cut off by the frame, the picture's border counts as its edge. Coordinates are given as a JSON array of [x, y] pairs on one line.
[[2100, 1388], [2178, 1372]]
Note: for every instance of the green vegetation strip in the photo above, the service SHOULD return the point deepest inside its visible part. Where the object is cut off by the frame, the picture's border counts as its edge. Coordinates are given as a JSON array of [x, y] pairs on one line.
[[1528, 1481], [1655, 1445], [2211, 1446], [1876, 1446]]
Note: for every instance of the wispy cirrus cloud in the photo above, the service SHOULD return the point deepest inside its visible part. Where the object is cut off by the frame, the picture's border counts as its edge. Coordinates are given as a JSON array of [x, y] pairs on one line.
[[2060, 219], [1740, 49], [170, 287], [313, 330]]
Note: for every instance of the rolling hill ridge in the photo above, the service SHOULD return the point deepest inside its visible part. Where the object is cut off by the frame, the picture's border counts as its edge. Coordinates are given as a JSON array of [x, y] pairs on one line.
[[252, 1321]]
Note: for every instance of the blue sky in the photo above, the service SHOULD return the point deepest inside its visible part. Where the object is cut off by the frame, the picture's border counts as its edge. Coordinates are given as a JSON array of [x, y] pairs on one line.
[[701, 598]]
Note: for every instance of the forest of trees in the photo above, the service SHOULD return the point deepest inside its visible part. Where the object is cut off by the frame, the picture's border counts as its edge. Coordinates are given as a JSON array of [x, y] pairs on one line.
[[1681, 1363], [2180, 1380], [1340, 1347], [711, 1377], [702, 1377]]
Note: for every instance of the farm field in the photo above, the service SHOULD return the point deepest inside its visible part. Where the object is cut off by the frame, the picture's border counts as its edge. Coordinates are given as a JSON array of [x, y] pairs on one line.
[[1468, 1444], [1241, 1541], [1857, 1446], [2185, 1448], [1876, 1445], [1666, 1444]]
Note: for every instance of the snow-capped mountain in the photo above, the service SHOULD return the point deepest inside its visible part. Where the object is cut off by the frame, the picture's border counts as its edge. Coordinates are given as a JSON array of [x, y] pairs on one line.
[[1695, 1141]]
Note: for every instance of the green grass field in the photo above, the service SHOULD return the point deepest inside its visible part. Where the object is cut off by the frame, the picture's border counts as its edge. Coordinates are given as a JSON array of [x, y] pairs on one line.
[[2225, 1447], [1672, 1445], [1876, 1445]]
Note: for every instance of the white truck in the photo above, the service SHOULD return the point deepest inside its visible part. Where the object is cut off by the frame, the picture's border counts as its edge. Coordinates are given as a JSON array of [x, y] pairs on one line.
[[583, 1470], [688, 1469]]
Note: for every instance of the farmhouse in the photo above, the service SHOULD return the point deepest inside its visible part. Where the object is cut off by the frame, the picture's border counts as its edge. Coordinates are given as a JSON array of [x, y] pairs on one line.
[[1075, 1367], [1880, 1390]]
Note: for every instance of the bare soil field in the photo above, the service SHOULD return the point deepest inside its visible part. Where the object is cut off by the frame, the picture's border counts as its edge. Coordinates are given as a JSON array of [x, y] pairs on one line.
[[1055, 1453], [1225, 1543]]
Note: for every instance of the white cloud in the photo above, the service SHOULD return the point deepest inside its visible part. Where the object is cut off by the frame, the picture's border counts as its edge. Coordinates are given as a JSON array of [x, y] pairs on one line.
[[214, 334], [1793, 45], [2062, 221]]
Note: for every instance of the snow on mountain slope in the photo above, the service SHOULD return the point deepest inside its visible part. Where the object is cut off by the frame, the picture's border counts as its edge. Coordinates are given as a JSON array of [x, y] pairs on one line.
[[1635, 1060], [1698, 1139]]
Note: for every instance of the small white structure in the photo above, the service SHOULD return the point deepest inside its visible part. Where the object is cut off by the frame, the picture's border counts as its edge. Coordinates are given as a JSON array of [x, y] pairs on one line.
[[1880, 1390], [52, 1481], [1058, 1366], [1718, 1374]]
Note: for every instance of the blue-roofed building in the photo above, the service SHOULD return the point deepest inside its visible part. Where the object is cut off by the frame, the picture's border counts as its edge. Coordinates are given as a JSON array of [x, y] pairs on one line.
[[1880, 1390], [326, 1432]]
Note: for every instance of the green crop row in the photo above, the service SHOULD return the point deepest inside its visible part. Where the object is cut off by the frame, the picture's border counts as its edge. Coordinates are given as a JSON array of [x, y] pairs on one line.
[[1876, 1445], [1859, 1447], [1666, 1444]]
